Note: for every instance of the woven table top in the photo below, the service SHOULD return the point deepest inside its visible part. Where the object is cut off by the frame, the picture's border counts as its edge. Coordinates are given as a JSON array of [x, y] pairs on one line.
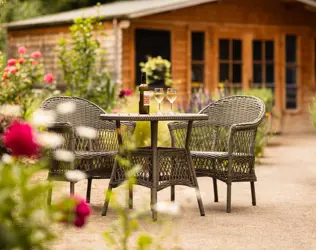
[[154, 117]]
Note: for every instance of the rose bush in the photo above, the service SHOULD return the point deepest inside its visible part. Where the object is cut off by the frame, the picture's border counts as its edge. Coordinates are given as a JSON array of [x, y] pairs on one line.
[[19, 78]]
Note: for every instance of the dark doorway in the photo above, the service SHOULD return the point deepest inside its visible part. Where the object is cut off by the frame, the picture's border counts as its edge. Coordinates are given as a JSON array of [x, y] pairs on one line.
[[150, 43]]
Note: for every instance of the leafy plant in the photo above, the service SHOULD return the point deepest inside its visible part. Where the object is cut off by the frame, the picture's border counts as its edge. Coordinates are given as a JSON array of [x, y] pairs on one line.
[[157, 69], [83, 74], [20, 76]]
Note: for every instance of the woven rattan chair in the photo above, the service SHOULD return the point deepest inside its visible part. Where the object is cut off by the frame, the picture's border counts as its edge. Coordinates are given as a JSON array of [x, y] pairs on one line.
[[223, 147], [95, 157]]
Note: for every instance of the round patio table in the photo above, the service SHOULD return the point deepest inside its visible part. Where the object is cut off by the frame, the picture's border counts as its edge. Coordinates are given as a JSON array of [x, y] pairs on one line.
[[161, 167]]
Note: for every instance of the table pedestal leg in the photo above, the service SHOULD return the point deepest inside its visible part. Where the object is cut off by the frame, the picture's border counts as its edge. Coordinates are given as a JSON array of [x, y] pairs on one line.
[[154, 189]]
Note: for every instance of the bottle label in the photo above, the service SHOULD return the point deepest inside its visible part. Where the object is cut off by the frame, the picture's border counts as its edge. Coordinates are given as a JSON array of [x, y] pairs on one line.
[[146, 98]]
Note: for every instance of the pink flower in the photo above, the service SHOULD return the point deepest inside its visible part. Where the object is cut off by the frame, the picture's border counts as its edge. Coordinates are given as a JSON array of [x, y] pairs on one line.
[[35, 62], [76, 214], [128, 92], [49, 78], [5, 75], [21, 60], [13, 69], [7, 69], [20, 138], [36, 54], [22, 50], [124, 93], [11, 62]]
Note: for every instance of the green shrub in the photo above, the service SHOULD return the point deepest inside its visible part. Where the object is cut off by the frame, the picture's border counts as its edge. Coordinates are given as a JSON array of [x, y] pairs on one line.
[[312, 112], [83, 74]]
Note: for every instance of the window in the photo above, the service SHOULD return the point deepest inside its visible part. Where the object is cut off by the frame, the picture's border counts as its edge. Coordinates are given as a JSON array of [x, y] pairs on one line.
[[197, 58], [230, 61], [263, 64], [291, 71]]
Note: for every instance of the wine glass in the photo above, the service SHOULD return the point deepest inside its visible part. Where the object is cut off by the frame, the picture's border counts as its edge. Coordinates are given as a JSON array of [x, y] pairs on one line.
[[171, 96], [159, 96]]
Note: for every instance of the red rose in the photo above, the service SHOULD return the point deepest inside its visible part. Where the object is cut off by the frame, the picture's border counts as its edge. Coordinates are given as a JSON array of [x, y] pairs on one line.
[[128, 92], [36, 54], [20, 138], [22, 50], [49, 78], [34, 62], [80, 221], [121, 94], [11, 62], [21, 60], [13, 69]]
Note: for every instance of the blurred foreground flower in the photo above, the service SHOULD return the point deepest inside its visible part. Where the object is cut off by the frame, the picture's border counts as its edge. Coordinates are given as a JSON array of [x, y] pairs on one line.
[[66, 107], [43, 117], [64, 155], [75, 175], [49, 140], [10, 110], [7, 159], [20, 138], [74, 210], [171, 208], [86, 132], [124, 93], [49, 78]]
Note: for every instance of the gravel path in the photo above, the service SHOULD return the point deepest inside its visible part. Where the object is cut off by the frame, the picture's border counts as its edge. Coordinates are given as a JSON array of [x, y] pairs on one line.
[[284, 218]]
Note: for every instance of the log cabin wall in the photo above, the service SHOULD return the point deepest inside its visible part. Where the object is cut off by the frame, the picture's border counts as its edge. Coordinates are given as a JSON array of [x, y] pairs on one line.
[[46, 40], [244, 20]]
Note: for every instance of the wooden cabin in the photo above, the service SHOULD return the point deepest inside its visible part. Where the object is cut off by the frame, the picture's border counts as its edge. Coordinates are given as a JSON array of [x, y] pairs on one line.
[[249, 43]]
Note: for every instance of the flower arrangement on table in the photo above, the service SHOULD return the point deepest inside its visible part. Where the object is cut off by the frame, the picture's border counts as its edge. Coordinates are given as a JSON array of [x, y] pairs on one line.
[[19, 78], [157, 70]]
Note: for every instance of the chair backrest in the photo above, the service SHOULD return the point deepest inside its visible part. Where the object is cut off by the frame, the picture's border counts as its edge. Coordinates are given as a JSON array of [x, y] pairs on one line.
[[86, 113], [235, 110]]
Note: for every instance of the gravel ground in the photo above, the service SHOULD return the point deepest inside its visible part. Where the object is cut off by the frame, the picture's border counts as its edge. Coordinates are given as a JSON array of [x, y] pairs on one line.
[[284, 218]]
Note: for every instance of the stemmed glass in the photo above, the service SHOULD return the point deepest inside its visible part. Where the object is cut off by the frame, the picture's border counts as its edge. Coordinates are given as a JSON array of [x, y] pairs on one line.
[[171, 96], [159, 96]]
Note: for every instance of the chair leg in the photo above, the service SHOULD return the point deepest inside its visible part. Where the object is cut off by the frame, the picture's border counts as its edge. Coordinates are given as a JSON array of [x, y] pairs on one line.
[[199, 200], [215, 190], [172, 198], [49, 196], [72, 188], [253, 193], [107, 200], [229, 194], [130, 197], [89, 190]]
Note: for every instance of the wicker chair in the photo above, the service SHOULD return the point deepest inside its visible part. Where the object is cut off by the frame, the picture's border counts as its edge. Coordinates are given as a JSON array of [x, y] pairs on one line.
[[96, 156], [223, 147]]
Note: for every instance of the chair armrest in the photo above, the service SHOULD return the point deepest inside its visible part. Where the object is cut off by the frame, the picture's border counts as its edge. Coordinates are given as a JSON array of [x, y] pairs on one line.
[[242, 138], [66, 130], [178, 132]]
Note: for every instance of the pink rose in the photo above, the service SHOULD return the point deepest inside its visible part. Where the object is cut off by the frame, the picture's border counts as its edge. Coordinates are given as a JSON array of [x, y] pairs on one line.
[[20, 138], [7, 69], [21, 60], [128, 92], [22, 50], [36, 54], [11, 62], [13, 69], [83, 209], [5, 75], [80, 221], [49, 78]]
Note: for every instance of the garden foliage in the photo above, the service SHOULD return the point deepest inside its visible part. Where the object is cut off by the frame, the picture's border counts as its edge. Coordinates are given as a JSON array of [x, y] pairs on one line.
[[83, 65]]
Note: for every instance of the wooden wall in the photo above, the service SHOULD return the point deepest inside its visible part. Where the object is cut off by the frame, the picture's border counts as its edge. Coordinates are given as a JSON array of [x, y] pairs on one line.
[[46, 40], [241, 19]]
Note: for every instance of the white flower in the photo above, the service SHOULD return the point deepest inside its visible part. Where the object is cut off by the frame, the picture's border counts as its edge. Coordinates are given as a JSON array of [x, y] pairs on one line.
[[64, 155], [49, 140], [171, 208], [75, 175], [10, 110], [66, 107], [7, 159], [87, 132], [42, 117], [56, 92]]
